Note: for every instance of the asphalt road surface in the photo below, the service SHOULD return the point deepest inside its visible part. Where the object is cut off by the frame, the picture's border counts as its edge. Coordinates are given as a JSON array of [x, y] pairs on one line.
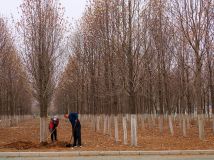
[[202, 157]]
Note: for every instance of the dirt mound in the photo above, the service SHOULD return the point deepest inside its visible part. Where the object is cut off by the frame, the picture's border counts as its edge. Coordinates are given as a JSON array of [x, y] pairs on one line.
[[56, 144], [24, 145], [20, 145]]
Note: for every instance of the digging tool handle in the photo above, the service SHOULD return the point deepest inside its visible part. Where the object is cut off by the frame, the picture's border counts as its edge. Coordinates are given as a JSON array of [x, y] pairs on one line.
[[51, 133]]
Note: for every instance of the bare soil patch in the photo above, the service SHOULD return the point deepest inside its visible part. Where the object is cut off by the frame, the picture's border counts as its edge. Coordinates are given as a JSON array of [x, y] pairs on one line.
[[25, 137], [20, 145]]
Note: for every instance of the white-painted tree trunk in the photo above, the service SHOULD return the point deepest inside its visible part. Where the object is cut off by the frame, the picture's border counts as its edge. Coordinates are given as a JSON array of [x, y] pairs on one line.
[[10, 121], [127, 118], [125, 141], [188, 121], [171, 125], [180, 121], [105, 124], [201, 126], [175, 117], [150, 121], [43, 129], [153, 119], [161, 123], [184, 128], [133, 130], [93, 122], [14, 120], [98, 123], [4, 123], [116, 135], [109, 125]]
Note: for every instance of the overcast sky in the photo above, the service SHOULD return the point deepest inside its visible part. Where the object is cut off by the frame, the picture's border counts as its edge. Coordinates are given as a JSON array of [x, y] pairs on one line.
[[73, 8]]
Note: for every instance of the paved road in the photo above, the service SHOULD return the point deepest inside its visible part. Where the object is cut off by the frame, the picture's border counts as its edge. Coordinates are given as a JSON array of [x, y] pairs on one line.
[[203, 157]]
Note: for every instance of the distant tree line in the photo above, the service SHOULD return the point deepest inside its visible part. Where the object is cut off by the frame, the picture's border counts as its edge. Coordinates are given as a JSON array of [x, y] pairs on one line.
[[15, 96]]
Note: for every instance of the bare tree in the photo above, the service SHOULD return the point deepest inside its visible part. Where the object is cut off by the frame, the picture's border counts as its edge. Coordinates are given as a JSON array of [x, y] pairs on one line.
[[42, 28]]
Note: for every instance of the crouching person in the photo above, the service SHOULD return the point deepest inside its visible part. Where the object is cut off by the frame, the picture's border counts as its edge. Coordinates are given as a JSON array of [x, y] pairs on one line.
[[54, 122]]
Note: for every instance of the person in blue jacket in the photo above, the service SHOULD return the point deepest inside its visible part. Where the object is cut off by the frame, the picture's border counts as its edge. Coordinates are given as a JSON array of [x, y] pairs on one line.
[[76, 127]]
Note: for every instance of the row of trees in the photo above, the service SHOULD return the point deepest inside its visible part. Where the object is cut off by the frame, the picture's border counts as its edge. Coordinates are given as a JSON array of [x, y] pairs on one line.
[[127, 56], [134, 56], [15, 96]]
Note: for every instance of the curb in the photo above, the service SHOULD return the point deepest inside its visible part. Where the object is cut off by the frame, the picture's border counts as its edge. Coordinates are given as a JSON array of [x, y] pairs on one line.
[[105, 153]]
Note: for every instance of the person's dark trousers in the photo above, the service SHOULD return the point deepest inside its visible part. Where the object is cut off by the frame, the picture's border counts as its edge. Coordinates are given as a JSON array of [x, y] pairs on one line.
[[77, 137], [73, 133], [54, 135]]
